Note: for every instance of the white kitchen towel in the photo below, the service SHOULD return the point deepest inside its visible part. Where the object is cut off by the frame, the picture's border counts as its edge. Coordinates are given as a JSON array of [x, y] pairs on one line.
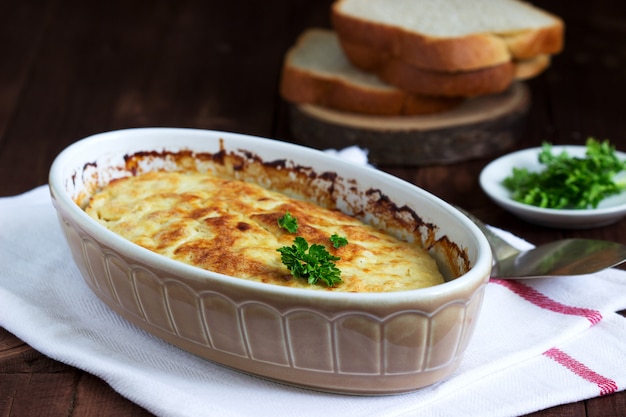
[[537, 344]]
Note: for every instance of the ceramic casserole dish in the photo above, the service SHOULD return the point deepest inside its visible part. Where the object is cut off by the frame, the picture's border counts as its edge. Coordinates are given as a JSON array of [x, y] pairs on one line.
[[356, 343]]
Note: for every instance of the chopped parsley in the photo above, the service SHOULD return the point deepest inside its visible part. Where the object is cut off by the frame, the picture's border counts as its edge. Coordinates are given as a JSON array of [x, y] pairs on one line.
[[313, 263], [569, 182]]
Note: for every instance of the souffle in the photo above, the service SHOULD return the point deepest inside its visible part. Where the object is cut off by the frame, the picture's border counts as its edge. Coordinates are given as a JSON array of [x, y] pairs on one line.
[[234, 228]]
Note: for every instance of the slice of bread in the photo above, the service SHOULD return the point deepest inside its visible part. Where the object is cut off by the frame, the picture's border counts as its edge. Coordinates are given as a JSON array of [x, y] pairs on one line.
[[316, 71], [449, 35]]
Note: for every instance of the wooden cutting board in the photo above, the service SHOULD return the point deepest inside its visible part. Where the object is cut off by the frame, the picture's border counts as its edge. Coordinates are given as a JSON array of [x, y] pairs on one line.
[[479, 127]]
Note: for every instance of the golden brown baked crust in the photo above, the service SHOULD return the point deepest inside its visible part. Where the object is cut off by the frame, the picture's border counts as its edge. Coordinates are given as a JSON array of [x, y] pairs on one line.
[[231, 227]]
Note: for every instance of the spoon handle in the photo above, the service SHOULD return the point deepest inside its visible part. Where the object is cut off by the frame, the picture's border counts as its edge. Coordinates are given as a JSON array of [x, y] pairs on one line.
[[500, 247]]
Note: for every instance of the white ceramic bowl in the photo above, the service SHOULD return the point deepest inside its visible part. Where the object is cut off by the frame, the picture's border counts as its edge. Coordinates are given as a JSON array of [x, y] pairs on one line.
[[609, 211], [341, 342]]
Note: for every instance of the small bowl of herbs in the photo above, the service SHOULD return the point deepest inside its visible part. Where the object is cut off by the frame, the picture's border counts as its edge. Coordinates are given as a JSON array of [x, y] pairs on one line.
[[570, 186]]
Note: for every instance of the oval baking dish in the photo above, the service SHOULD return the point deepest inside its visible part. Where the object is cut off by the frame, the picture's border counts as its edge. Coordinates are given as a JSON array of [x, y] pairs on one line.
[[357, 343]]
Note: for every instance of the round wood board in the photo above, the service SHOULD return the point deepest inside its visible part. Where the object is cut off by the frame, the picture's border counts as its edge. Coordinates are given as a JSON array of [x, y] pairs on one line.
[[479, 127]]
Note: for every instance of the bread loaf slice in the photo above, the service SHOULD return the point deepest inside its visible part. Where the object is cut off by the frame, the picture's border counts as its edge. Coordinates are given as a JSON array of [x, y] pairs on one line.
[[316, 71], [449, 35]]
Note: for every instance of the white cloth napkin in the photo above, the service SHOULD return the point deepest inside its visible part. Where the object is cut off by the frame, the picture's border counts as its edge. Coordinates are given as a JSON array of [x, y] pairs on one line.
[[537, 344]]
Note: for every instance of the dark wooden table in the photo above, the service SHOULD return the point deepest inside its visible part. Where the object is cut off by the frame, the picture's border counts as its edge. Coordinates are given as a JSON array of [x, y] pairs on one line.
[[71, 68]]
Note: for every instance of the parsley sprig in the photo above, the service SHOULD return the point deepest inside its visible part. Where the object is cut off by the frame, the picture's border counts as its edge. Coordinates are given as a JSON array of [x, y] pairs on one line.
[[313, 263], [569, 182]]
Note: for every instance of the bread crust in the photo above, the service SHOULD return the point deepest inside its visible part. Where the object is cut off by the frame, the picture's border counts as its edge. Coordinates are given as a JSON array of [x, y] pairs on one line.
[[530, 44], [415, 80], [529, 68], [478, 82], [465, 53]]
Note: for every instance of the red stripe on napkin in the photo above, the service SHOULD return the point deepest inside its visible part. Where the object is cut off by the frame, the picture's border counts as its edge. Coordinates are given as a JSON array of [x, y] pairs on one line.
[[540, 300], [606, 385]]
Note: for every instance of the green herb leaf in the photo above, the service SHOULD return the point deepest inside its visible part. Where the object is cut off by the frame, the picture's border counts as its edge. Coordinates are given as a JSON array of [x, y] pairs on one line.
[[569, 182], [312, 263], [338, 241], [288, 222]]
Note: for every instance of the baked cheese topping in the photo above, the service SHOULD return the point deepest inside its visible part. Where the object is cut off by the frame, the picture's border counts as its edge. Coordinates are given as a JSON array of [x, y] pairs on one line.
[[231, 227]]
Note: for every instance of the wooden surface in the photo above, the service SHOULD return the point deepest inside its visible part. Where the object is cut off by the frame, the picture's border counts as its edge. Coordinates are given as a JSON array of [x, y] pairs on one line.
[[70, 68]]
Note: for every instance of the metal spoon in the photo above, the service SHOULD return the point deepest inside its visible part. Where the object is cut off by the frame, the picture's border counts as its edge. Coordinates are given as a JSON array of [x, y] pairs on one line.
[[559, 258]]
